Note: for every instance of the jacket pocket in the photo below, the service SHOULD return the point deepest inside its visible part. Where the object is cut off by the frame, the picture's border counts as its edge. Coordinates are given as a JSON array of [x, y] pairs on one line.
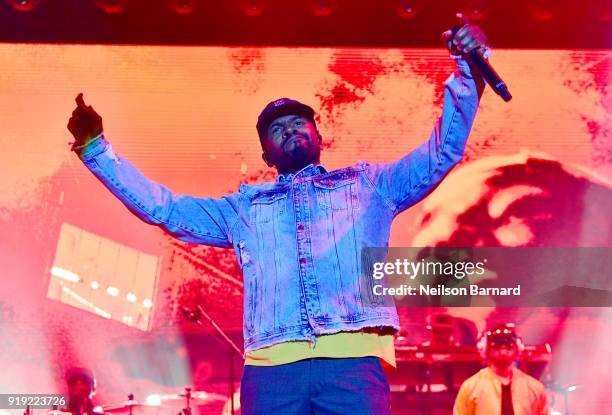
[[337, 192], [265, 206]]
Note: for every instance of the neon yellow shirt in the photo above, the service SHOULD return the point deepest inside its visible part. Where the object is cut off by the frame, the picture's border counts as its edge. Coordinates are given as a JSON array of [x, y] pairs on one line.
[[339, 345]]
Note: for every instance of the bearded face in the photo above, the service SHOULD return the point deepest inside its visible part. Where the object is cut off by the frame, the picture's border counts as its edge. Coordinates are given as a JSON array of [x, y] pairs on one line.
[[518, 200]]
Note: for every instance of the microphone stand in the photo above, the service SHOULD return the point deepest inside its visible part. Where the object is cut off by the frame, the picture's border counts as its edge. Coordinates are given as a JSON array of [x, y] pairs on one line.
[[196, 317]]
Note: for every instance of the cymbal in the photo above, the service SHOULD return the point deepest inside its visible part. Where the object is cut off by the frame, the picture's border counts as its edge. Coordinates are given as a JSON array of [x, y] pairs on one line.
[[136, 408], [197, 398]]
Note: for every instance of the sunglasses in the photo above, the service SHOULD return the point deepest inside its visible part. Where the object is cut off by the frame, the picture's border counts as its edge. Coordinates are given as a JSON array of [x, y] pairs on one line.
[[504, 340]]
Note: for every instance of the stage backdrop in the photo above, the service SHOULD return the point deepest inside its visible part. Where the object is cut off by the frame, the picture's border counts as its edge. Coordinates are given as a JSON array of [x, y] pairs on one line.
[[83, 282]]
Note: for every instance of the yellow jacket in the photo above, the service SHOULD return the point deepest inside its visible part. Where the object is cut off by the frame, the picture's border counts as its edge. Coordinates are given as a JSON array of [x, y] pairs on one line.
[[481, 395]]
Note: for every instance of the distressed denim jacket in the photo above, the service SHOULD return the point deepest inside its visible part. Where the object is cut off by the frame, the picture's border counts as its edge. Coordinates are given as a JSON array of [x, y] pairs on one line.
[[298, 240]]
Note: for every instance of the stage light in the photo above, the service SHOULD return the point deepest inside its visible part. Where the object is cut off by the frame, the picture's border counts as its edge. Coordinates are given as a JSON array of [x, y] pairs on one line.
[[322, 8], [147, 303], [475, 10], [183, 7], [409, 9], [23, 5], [131, 297], [543, 10], [112, 6], [154, 399], [253, 8], [95, 285], [65, 274], [114, 291]]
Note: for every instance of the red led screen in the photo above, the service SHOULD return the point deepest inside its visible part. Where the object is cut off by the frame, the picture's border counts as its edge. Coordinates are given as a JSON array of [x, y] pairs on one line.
[[186, 117]]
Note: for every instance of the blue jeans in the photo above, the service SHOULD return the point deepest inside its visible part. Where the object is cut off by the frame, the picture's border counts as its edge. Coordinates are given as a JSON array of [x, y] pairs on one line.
[[316, 386]]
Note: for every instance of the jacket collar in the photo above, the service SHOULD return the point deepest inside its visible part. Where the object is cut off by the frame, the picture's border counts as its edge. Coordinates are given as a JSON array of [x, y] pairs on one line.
[[310, 170]]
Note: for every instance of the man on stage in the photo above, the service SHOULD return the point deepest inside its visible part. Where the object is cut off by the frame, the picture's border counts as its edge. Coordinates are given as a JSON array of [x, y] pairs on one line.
[[501, 388], [311, 345], [81, 389]]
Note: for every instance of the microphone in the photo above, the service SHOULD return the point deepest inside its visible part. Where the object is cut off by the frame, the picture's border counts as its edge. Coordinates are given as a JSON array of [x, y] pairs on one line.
[[489, 74], [486, 70]]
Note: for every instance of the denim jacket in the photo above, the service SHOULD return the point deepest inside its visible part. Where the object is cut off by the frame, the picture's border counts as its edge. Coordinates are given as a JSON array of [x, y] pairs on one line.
[[298, 240]]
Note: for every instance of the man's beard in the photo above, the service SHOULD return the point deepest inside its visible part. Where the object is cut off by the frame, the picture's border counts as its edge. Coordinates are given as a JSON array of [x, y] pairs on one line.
[[300, 157]]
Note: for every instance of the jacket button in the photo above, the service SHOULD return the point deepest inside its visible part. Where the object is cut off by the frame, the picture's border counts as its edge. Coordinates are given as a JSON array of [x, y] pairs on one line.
[[300, 227], [303, 260]]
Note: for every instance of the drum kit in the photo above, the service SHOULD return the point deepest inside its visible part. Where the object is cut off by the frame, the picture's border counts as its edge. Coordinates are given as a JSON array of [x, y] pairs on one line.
[[168, 404], [179, 403]]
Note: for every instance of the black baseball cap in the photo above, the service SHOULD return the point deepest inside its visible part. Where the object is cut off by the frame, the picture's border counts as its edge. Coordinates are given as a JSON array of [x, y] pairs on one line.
[[279, 108]]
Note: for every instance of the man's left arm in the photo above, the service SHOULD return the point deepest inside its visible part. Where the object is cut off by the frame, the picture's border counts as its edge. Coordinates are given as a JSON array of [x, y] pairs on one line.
[[408, 180]]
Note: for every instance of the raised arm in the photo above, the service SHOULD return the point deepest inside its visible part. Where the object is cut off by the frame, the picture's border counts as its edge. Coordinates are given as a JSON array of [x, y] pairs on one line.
[[198, 220], [408, 180]]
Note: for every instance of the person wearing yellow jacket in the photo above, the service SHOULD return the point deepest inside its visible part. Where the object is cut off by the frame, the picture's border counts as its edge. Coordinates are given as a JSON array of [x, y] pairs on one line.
[[501, 388]]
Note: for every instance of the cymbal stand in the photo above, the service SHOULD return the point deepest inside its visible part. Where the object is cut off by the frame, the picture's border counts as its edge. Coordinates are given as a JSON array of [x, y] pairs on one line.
[[187, 409], [131, 403], [196, 317]]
